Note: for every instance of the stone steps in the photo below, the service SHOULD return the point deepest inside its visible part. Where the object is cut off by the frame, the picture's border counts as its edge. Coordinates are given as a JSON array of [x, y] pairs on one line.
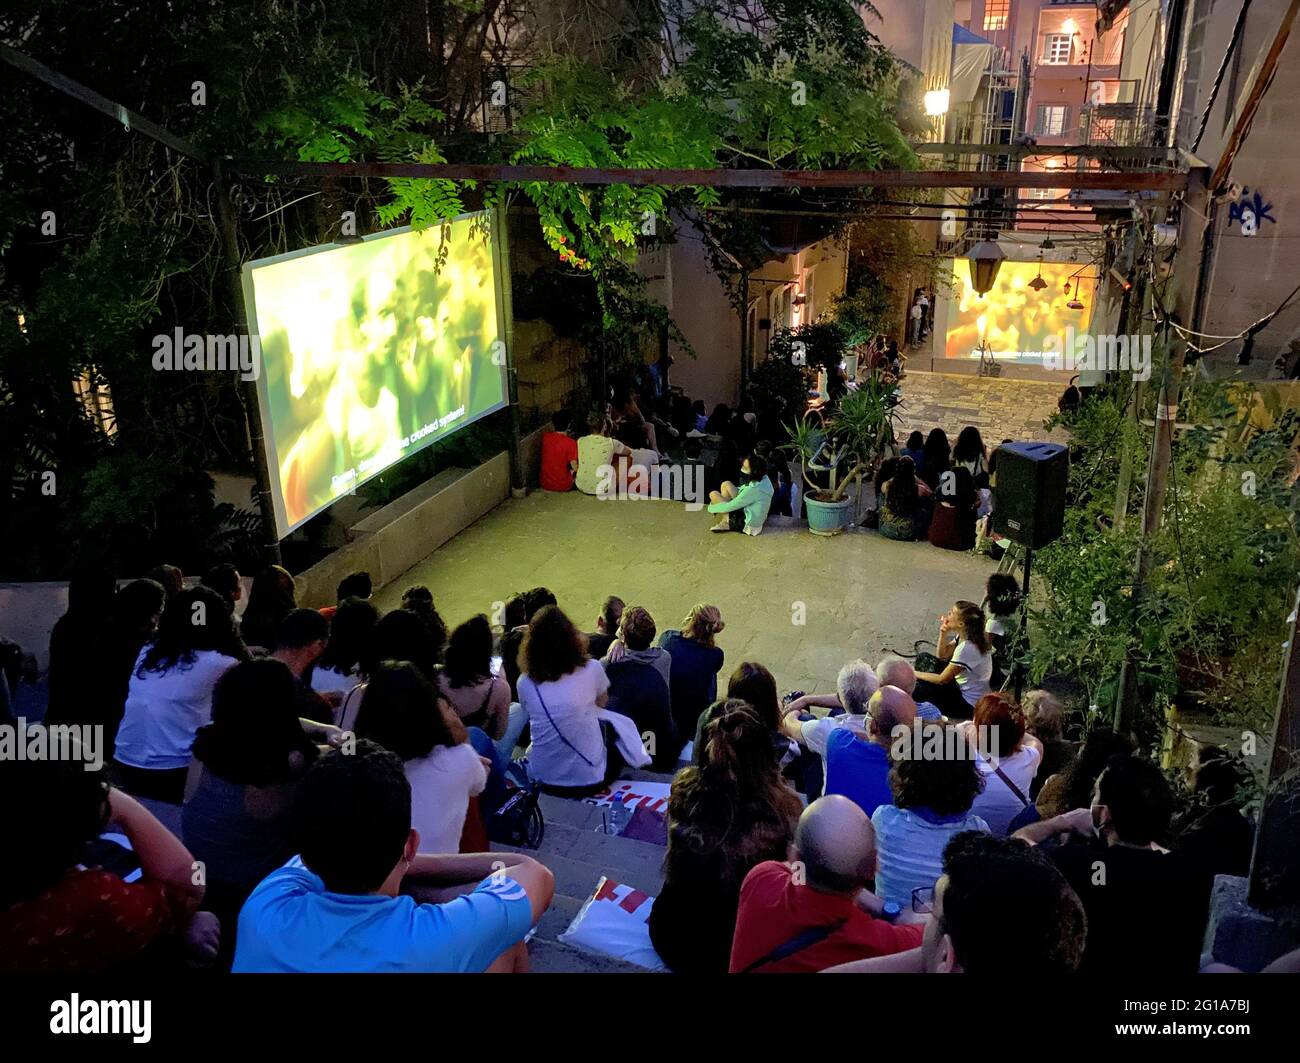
[[578, 854]]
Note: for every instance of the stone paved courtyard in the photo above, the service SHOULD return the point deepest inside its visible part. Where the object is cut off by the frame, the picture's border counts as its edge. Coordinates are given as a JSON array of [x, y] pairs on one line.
[[857, 593], [999, 408], [799, 603]]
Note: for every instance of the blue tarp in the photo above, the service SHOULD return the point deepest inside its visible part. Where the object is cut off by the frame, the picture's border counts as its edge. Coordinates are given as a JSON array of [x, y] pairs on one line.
[[961, 35]]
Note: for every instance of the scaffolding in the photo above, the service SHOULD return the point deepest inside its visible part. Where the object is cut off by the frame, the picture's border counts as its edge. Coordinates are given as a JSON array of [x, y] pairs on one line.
[[995, 117]]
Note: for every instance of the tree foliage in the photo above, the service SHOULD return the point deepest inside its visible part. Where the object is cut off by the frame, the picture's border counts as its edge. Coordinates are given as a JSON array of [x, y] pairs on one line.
[[1207, 634], [637, 84]]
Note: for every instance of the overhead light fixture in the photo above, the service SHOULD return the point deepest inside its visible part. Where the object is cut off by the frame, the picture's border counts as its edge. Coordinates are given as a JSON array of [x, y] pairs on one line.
[[936, 102], [985, 259], [1047, 245], [1075, 303], [1038, 284]]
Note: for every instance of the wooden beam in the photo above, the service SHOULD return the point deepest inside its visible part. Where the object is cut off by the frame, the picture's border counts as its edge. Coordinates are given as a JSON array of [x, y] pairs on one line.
[[724, 178], [1263, 80], [130, 119]]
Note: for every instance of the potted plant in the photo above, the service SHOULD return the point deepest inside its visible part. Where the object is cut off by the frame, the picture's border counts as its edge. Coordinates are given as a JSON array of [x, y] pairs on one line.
[[847, 448]]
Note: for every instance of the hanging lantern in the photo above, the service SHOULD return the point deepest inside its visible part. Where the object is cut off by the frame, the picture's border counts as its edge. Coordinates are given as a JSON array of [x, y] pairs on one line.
[[985, 259], [1075, 303], [1038, 284]]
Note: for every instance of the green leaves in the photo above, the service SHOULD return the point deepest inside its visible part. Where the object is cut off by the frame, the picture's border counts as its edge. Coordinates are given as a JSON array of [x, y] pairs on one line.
[[1223, 575]]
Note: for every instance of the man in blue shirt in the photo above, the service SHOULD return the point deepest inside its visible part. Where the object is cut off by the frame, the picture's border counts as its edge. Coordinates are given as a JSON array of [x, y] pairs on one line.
[[856, 746], [362, 898]]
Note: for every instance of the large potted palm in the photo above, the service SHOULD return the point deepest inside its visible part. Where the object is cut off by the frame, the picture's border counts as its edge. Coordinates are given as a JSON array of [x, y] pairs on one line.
[[847, 448]]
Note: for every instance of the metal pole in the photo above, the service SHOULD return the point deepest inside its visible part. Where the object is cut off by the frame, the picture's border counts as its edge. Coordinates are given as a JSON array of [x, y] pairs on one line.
[[1132, 312], [247, 388], [1124, 181], [745, 338], [1022, 634], [506, 323]]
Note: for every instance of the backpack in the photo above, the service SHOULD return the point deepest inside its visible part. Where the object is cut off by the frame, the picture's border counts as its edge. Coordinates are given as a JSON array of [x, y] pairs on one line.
[[519, 820]]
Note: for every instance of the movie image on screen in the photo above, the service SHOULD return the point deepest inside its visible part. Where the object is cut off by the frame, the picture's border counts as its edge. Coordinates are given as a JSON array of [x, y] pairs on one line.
[[370, 352], [1014, 318]]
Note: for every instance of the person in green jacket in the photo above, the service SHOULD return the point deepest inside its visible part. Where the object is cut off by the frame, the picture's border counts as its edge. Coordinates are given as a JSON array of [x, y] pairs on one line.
[[753, 498]]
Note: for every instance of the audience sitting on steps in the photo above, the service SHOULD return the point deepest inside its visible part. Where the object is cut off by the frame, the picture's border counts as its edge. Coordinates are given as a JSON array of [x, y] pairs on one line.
[[727, 813], [359, 896], [330, 830], [638, 688]]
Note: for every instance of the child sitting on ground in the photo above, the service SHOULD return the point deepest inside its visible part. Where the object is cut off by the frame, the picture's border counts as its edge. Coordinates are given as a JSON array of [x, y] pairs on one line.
[[753, 498]]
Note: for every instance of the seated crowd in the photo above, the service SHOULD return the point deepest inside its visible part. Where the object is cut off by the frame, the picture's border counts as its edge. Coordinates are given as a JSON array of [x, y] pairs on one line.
[[936, 491], [330, 781], [931, 490]]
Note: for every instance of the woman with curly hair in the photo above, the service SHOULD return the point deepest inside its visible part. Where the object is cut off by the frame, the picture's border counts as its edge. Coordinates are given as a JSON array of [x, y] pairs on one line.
[[935, 782], [1073, 787], [725, 816], [696, 662], [560, 687]]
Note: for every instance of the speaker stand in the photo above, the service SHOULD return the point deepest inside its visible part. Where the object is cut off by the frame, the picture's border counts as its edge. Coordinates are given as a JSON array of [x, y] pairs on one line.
[[1022, 629]]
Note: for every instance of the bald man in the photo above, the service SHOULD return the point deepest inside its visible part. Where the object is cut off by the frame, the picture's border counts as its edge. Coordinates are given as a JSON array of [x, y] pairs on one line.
[[815, 911], [857, 757], [896, 671]]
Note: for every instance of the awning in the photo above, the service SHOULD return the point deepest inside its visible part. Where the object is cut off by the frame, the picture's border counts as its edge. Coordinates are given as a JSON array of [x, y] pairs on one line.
[[970, 59]]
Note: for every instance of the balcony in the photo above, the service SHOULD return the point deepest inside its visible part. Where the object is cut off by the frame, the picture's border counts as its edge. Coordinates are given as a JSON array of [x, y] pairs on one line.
[[1114, 116]]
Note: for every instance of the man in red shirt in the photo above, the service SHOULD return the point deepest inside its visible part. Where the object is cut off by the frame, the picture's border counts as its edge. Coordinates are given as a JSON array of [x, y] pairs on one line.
[[559, 455], [816, 911]]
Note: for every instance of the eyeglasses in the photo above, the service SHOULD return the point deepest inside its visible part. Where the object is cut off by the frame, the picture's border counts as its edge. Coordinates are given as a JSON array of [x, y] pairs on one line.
[[923, 900]]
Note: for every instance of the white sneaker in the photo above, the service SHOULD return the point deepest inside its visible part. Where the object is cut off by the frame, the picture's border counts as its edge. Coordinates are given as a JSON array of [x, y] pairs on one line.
[[725, 526]]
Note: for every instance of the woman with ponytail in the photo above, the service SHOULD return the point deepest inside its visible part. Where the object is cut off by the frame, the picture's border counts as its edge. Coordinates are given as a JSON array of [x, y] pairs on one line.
[[965, 650], [725, 815], [696, 661]]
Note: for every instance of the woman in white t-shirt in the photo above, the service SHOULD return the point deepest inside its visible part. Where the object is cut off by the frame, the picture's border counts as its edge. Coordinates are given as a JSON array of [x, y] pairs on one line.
[[403, 711], [169, 696], [965, 646], [596, 450], [561, 689], [1008, 757]]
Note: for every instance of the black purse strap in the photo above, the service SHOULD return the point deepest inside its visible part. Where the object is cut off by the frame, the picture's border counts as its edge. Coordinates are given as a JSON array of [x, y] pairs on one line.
[[997, 770], [542, 701], [806, 939]]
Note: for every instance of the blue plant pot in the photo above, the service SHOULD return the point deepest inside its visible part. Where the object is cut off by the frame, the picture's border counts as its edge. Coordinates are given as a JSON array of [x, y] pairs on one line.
[[828, 518]]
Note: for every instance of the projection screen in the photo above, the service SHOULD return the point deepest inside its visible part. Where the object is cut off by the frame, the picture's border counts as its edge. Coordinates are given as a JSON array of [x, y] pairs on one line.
[[371, 352]]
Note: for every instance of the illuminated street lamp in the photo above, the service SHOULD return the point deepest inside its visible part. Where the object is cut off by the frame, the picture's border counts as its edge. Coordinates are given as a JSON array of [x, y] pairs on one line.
[[936, 102], [985, 259]]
